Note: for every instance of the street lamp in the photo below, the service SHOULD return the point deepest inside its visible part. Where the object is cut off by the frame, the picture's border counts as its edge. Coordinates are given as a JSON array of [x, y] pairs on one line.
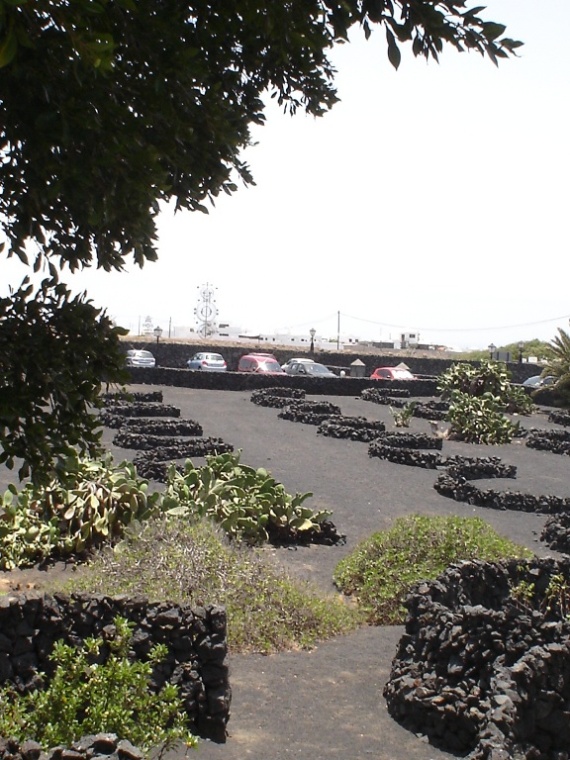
[[492, 349], [521, 346], [157, 333], [312, 333]]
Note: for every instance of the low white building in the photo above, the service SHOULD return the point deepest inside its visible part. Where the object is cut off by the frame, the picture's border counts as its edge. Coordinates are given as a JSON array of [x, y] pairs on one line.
[[301, 340]]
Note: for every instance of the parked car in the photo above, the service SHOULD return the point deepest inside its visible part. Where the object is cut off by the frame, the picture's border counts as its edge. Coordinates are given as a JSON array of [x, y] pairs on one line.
[[537, 381], [301, 360], [309, 369], [137, 357], [392, 373], [259, 362], [207, 362]]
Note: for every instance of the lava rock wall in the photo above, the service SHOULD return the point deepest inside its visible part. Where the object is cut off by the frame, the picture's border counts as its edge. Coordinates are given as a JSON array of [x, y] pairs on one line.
[[30, 624]]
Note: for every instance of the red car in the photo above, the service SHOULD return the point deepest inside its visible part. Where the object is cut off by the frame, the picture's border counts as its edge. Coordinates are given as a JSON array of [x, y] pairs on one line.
[[258, 362], [392, 373]]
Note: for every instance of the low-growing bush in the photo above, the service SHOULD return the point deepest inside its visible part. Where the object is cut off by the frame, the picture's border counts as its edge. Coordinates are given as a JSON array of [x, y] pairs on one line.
[[489, 377], [94, 500], [478, 397], [246, 502], [479, 419], [192, 561], [382, 569], [88, 694], [91, 502], [403, 415]]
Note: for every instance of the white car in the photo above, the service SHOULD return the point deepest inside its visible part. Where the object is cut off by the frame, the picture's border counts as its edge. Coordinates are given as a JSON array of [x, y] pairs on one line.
[[140, 358], [207, 362], [302, 360]]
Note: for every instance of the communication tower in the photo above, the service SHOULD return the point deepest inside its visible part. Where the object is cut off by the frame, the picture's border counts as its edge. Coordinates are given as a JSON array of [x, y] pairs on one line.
[[206, 311]]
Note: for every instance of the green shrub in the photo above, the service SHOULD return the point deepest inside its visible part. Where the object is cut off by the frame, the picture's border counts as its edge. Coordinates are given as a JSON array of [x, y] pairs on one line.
[[489, 378], [553, 602], [403, 416], [382, 569], [479, 396], [478, 419], [91, 502], [247, 503], [193, 562], [85, 696]]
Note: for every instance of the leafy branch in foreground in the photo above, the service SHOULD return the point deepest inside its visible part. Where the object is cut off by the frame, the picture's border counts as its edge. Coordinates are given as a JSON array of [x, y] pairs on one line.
[[147, 102], [56, 351], [85, 696]]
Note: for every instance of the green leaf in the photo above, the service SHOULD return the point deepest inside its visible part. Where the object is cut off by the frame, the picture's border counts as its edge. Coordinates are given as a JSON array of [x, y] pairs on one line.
[[492, 31], [394, 55]]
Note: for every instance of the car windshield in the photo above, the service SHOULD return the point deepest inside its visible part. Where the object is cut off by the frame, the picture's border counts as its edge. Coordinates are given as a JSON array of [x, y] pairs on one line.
[[270, 366], [212, 357], [401, 374], [317, 369], [142, 354]]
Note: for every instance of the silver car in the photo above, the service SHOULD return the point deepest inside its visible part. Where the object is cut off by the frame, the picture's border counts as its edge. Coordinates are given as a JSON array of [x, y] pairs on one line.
[[140, 358], [537, 381], [207, 362]]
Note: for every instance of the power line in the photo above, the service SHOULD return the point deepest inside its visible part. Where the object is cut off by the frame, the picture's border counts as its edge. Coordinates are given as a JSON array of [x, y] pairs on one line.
[[311, 322], [460, 329]]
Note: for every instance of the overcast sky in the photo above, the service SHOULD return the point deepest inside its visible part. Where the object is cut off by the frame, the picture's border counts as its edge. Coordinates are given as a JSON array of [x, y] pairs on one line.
[[434, 199]]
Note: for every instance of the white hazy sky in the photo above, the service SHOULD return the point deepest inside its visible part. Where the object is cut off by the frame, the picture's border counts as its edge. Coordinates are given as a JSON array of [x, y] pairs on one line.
[[433, 199]]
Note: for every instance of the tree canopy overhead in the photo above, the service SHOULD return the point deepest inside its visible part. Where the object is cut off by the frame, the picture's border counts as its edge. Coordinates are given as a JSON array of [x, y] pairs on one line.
[[109, 107]]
